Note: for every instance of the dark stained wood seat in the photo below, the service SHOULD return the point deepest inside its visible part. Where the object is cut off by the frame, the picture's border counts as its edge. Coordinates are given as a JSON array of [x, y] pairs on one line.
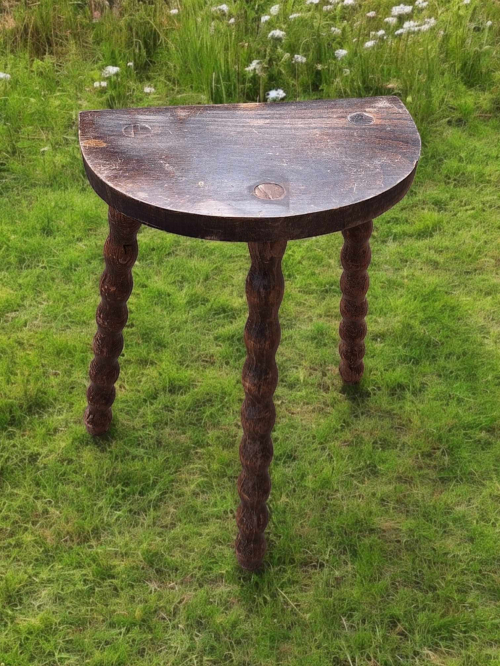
[[260, 173], [253, 172]]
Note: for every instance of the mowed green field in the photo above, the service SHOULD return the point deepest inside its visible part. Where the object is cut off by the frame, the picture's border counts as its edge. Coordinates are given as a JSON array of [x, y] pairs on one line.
[[385, 527]]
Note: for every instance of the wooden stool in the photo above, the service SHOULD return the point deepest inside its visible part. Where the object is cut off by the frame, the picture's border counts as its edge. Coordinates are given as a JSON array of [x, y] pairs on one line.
[[262, 174]]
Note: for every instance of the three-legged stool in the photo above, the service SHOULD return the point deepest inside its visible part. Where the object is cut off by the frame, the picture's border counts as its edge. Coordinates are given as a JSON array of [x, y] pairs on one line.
[[262, 174]]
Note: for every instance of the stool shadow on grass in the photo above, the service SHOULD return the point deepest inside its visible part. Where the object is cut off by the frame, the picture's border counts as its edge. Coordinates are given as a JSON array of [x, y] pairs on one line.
[[357, 394]]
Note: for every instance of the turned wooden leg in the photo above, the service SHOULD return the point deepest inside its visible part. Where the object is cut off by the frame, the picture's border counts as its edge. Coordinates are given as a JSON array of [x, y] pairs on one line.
[[264, 289], [355, 257], [120, 253]]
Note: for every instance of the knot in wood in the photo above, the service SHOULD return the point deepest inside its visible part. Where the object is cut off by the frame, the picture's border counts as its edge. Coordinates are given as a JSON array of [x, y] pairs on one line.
[[269, 191], [137, 130], [360, 118]]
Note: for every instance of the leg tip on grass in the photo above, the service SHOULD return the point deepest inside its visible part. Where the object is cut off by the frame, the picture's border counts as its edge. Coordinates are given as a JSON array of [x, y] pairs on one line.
[[97, 421]]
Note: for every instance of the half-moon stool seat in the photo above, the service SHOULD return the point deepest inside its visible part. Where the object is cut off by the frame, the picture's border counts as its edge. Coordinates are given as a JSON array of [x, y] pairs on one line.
[[262, 174]]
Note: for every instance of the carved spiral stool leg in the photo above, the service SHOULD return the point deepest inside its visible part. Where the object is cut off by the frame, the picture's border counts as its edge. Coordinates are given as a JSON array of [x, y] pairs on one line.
[[264, 289], [120, 254], [355, 257]]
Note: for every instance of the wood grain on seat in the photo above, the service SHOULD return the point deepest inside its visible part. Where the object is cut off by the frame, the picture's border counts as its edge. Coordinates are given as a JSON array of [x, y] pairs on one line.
[[253, 172]]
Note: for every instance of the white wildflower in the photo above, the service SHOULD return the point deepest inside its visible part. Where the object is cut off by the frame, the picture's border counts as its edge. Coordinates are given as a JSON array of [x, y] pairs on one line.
[[336, 31], [349, 3], [130, 64], [4, 76], [391, 20], [411, 26], [328, 8], [421, 4], [254, 66], [100, 84], [276, 34], [274, 10], [299, 59], [399, 10], [174, 11], [110, 70], [371, 14], [369, 44], [428, 24], [232, 21], [414, 26], [275, 95], [265, 18], [222, 9], [466, 2], [294, 16], [380, 33], [312, 2], [149, 89], [488, 25], [340, 53]]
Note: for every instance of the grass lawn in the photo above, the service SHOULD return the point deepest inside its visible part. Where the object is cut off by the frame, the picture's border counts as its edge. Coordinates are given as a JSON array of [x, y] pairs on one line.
[[383, 540]]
